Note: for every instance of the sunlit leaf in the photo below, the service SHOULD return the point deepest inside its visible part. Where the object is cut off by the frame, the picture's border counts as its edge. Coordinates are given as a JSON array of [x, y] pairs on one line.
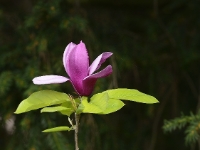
[[132, 95], [100, 100], [113, 106], [100, 104], [41, 99], [57, 129], [62, 109], [54, 109], [89, 107], [81, 107]]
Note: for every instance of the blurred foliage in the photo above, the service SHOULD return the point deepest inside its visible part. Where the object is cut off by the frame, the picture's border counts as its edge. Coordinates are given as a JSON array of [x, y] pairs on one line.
[[192, 131], [156, 50]]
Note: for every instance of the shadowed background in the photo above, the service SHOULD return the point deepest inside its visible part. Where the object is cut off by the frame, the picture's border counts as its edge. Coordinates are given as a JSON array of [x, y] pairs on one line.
[[156, 50]]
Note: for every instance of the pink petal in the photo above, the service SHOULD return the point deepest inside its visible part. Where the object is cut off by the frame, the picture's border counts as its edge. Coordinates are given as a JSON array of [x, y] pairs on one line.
[[98, 61], [67, 51], [89, 82], [78, 64], [49, 79]]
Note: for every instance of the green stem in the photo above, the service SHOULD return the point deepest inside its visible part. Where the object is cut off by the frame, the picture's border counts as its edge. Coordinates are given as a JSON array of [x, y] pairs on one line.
[[77, 117]]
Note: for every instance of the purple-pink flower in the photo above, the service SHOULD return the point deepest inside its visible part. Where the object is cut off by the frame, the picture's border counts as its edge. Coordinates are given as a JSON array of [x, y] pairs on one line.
[[76, 64]]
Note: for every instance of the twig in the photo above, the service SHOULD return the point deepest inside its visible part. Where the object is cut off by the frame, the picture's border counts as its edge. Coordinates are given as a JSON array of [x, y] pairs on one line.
[[77, 117]]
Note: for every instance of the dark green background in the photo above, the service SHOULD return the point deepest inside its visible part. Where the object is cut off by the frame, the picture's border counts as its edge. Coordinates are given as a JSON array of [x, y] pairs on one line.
[[156, 46]]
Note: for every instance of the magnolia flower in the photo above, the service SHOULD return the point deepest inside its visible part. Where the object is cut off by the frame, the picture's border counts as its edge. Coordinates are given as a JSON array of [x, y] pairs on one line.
[[76, 64]]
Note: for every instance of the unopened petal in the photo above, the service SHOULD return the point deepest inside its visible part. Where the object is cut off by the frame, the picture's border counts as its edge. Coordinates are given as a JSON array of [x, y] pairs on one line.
[[78, 64], [89, 82], [49, 79], [67, 51], [96, 64]]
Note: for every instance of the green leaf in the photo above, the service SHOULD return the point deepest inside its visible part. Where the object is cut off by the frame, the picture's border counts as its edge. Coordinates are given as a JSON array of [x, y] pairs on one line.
[[68, 104], [54, 109], [100, 100], [100, 104], [56, 129], [88, 107], [113, 106], [132, 95], [109, 101], [41, 99], [62, 109], [81, 107]]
